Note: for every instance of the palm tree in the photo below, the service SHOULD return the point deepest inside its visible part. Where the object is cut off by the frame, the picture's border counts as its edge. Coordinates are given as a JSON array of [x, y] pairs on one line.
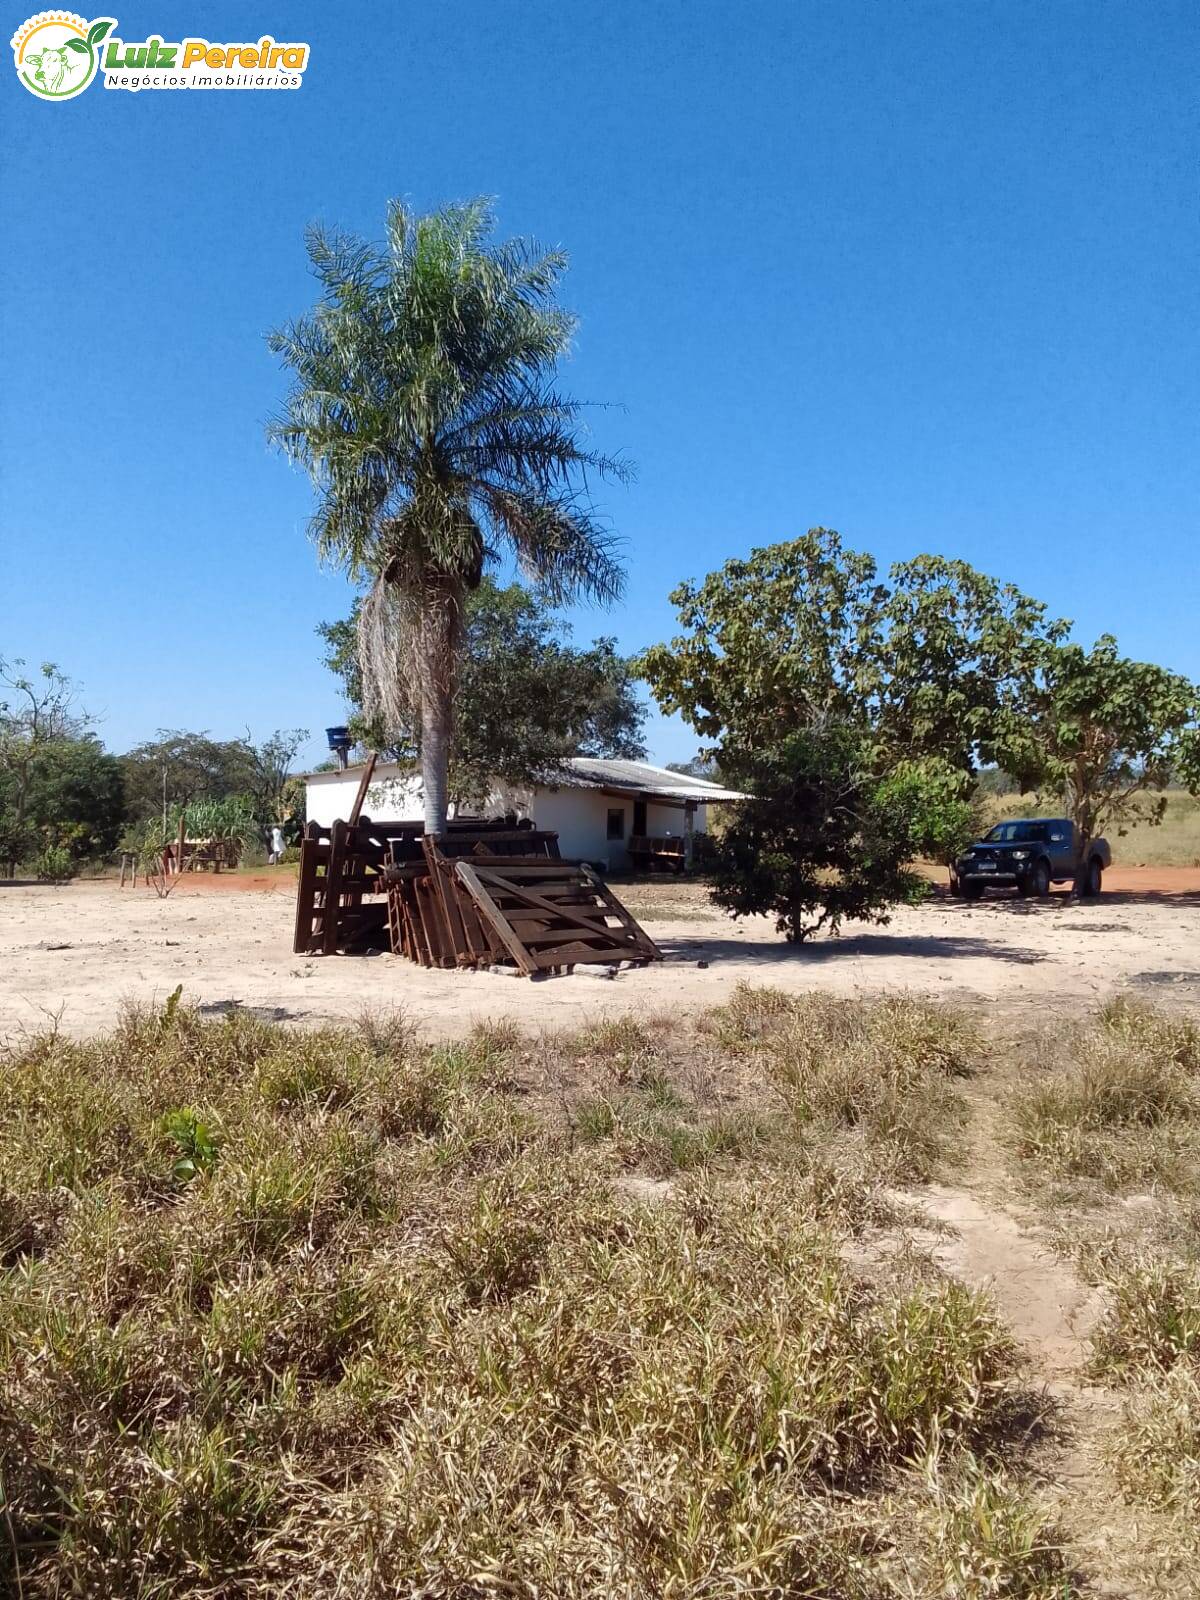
[[423, 407]]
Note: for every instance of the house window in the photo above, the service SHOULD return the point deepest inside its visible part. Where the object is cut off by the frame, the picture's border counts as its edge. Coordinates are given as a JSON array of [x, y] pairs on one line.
[[616, 822]]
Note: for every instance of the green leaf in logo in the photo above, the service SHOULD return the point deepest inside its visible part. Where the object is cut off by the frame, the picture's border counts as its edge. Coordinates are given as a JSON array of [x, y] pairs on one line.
[[77, 44], [97, 31]]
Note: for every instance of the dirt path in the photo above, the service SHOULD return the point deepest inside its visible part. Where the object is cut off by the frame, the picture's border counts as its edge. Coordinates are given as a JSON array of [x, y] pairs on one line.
[[980, 1235]]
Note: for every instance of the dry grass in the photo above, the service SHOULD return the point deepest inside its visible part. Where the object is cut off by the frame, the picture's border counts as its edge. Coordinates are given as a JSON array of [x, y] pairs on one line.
[[1149, 1345], [1115, 1101], [1112, 1107], [341, 1313], [1157, 1450], [877, 1077]]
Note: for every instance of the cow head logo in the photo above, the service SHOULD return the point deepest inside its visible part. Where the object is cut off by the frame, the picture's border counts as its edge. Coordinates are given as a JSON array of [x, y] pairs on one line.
[[57, 53]]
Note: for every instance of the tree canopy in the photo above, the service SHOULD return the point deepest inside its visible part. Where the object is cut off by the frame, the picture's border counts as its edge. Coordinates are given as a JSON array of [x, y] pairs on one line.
[[1105, 733], [527, 697], [180, 767], [58, 789], [806, 633]]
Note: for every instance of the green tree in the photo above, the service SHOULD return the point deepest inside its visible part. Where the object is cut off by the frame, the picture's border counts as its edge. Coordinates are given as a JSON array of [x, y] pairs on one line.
[[77, 798], [424, 409], [526, 697], [826, 837], [1105, 734], [790, 637], [179, 767], [807, 634], [271, 788], [38, 711], [866, 700]]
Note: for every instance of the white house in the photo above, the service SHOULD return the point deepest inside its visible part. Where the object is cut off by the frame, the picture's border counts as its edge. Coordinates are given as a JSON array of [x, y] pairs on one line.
[[595, 806]]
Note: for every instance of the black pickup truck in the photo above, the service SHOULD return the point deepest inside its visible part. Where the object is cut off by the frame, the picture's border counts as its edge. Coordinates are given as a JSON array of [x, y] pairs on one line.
[[1029, 855]]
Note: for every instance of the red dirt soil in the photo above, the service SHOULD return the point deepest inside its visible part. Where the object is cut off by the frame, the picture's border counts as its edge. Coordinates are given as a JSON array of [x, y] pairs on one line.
[[1161, 882], [233, 883]]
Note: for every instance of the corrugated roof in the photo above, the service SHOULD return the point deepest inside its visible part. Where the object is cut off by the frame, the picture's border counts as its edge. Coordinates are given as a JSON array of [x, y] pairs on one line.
[[593, 772]]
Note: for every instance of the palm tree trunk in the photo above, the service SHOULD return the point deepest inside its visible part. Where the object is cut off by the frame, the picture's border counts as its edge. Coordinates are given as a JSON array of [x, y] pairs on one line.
[[436, 732], [438, 639]]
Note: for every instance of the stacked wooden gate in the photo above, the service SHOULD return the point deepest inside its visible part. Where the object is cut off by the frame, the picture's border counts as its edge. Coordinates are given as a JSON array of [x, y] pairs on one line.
[[483, 894], [341, 897]]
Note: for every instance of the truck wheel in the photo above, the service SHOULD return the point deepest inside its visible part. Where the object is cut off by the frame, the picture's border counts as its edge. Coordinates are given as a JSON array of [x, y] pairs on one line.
[[1094, 881], [1038, 881]]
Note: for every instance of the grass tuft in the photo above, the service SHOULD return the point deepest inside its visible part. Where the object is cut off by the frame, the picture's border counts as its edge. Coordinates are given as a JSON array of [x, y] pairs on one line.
[[1121, 1108], [882, 1072]]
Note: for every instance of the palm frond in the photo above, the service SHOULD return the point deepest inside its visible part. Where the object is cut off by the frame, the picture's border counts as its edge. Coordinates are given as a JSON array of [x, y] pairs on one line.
[[421, 386]]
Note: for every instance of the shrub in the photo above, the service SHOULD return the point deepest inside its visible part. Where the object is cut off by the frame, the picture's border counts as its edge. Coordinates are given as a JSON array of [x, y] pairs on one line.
[[1156, 1450], [55, 865], [879, 1072], [992, 1542], [1154, 1321]]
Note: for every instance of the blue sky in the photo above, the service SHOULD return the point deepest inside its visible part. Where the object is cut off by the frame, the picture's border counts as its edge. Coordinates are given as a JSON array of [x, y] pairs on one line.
[[924, 273]]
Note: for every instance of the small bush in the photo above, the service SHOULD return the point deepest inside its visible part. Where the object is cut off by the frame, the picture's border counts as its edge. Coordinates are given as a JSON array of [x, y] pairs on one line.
[[194, 1140], [55, 865], [880, 1072], [992, 1542]]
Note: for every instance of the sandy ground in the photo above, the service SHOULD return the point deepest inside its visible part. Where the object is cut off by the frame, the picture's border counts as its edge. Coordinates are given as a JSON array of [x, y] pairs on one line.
[[79, 952]]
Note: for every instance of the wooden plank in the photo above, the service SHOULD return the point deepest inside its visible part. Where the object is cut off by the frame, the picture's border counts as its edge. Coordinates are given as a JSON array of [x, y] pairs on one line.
[[569, 894], [548, 871], [531, 898], [616, 909], [578, 954], [313, 856], [364, 783], [451, 914], [333, 887], [494, 842], [551, 936], [491, 914]]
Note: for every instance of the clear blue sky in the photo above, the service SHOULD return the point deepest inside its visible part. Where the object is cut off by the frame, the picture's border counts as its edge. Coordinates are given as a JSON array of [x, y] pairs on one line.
[[923, 273]]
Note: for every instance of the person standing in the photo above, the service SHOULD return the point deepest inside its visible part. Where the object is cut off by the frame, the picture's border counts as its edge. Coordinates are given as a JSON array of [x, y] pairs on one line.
[[275, 855]]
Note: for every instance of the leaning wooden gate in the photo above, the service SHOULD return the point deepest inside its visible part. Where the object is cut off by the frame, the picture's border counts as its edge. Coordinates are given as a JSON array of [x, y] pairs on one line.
[[554, 916]]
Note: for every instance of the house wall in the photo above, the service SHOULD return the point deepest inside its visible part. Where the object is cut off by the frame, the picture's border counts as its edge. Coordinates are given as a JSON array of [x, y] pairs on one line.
[[578, 816], [330, 795], [668, 820]]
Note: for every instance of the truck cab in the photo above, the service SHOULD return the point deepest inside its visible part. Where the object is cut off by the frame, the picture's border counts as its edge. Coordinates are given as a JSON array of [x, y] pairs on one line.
[[1029, 854]]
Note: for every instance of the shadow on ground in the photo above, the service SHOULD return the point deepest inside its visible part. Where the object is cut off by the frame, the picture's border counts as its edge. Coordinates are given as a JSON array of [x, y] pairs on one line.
[[1057, 902], [943, 947], [225, 1008]]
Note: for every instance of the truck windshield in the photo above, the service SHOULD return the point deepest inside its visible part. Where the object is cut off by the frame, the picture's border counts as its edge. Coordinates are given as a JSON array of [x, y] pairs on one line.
[[1019, 833]]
